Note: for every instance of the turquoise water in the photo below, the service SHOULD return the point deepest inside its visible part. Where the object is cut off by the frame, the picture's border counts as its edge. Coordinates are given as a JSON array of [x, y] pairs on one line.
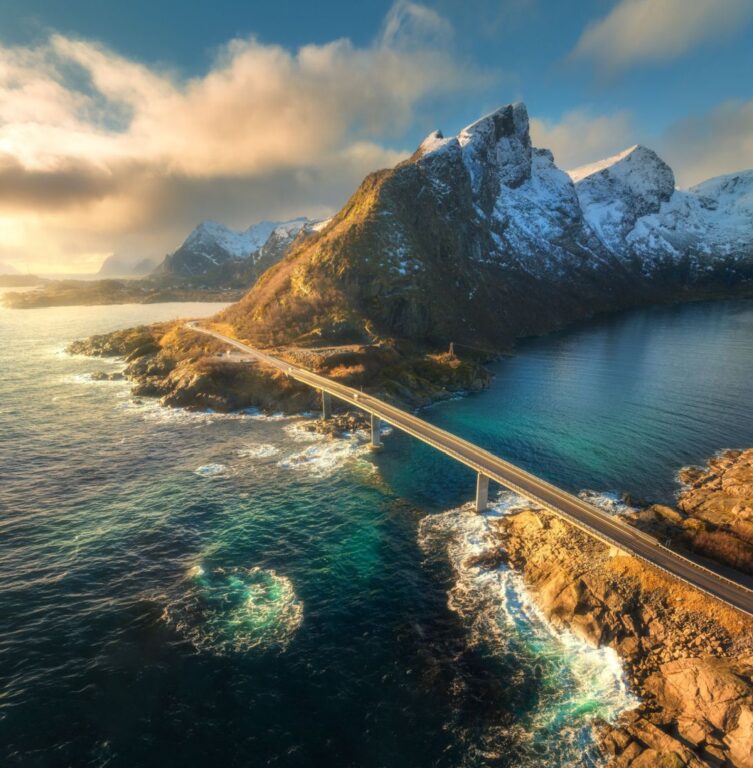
[[192, 589]]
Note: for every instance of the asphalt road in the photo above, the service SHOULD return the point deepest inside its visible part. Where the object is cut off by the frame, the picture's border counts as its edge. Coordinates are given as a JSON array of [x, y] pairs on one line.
[[594, 521]]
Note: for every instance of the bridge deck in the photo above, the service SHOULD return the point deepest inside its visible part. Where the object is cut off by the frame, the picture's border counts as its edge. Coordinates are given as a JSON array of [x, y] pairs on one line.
[[592, 520]]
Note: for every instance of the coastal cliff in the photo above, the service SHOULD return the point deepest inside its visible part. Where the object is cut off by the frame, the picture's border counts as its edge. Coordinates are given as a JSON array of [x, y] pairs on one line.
[[688, 656]]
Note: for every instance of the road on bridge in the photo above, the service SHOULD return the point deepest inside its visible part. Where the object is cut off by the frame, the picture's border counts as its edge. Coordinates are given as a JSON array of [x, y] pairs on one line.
[[594, 521]]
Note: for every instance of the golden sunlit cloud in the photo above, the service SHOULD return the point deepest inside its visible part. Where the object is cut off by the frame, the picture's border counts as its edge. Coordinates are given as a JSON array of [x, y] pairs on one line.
[[100, 153], [636, 31]]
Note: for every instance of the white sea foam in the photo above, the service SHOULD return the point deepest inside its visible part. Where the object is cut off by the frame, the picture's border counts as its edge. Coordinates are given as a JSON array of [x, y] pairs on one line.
[[298, 432], [610, 502], [259, 451], [61, 352], [235, 610], [150, 409], [211, 470], [326, 455], [579, 684], [255, 413], [89, 378]]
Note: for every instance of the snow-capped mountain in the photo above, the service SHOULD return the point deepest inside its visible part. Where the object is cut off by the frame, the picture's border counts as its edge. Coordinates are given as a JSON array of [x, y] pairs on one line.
[[481, 237], [631, 202], [212, 244], [618, 191], [519, 197]]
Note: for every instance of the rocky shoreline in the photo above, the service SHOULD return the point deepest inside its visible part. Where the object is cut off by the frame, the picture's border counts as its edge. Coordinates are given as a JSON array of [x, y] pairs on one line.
[[688, 657], [188, 370]]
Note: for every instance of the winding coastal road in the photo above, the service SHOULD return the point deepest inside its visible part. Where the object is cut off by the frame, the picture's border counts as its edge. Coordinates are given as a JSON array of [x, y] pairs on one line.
[[608, 529]]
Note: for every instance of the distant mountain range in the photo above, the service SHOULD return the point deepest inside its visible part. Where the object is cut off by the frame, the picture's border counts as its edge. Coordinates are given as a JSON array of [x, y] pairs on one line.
[[217, 255], [213, 250], [481, 238], [7, 269], [214, 263]]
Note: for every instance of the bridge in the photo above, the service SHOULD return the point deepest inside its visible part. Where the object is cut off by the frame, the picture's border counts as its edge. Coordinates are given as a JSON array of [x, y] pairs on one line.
[[595, 522]]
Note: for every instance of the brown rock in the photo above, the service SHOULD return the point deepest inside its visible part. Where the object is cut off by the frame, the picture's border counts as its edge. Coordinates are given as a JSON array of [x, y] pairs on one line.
[[653, 758], [629, 756], [739, 740], [692, 731], [658, 626], [665, 747], [714, 755]]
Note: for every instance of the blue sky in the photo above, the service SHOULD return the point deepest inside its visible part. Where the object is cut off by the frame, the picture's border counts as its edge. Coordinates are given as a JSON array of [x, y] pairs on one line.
[[123, 123]]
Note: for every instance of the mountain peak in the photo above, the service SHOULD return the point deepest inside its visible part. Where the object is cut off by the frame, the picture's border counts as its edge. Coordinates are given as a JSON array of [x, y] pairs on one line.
[[633, 158], [433, 142], [508, 121], [617, 191], [499, 143]]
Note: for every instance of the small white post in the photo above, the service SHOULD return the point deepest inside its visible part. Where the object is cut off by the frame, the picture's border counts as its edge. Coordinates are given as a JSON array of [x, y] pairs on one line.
[[326, 405], [376, 433], [482, 492]]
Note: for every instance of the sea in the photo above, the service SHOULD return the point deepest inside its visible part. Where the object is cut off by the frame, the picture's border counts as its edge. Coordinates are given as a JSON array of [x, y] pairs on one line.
[[200, 589]]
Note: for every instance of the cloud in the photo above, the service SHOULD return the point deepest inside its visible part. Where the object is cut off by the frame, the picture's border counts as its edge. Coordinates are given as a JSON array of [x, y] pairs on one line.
[[581, 137], [711, 144], [65, 185], [99, 152], [408, 22], [636, 31], [697, 147]]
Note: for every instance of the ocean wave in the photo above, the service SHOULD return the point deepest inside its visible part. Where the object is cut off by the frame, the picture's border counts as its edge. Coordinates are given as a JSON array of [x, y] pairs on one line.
[[578, 685], [61, 351], [150, 409], [235, 610], [260, 451]]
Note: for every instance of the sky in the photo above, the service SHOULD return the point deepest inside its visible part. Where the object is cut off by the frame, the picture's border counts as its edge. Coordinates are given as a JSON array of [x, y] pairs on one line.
[[124, 124]]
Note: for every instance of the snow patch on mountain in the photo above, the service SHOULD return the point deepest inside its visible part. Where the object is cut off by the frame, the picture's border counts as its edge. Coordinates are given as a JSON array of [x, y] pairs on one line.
[[711, 219], [540, 218]]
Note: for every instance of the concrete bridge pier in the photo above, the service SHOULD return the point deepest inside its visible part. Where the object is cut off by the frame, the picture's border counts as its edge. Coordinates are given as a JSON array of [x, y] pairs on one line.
[[326, 405], [482, 492], [376, 433]]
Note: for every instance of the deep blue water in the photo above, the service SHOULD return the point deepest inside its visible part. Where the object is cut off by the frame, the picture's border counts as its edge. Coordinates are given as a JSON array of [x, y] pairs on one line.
[[193, 589]]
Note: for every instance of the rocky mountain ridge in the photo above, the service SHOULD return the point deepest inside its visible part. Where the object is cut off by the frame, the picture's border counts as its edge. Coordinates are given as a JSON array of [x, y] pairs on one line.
[[481, 238]]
